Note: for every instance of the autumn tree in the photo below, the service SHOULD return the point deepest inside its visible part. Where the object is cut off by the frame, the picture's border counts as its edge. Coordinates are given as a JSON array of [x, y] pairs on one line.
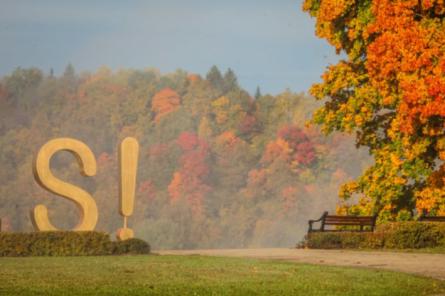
[[190, 182], [164, 102], [230, 111], [198, 98], [21, 86], [284, 163], [389, 90], [230, 173]]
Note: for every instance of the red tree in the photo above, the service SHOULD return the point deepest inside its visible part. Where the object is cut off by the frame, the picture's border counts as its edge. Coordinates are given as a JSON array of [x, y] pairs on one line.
[[189, 182]]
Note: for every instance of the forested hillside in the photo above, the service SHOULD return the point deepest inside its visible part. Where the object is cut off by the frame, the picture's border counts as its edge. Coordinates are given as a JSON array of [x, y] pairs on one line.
[[218, 167]]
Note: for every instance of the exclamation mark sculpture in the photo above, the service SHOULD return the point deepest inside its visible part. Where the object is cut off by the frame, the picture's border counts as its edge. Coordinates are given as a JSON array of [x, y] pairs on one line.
[[128, 158]]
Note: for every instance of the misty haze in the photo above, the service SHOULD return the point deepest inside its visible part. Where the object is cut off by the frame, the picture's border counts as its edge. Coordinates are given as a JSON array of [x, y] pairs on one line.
[[218, 167]]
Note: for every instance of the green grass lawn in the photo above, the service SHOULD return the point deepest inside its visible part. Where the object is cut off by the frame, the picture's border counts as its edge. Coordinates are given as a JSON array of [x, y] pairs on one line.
[[198, 275]]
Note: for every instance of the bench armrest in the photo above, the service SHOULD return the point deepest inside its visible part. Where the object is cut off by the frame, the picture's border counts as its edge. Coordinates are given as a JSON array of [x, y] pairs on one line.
[[321, 219]]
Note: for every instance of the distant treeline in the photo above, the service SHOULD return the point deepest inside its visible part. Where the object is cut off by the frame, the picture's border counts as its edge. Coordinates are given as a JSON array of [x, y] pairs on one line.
[[218, 167]]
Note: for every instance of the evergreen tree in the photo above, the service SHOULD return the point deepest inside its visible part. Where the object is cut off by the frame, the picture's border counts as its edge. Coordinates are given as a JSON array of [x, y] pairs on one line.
[[215, 77], [69, 79], [230, 81], [69, 73], [258, 93]]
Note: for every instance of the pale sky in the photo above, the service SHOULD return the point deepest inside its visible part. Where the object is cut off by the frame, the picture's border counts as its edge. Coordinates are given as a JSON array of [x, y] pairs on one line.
[[267, 43]]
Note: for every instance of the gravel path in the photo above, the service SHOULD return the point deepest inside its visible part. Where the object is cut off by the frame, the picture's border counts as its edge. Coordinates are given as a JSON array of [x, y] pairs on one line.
[[431, 265]]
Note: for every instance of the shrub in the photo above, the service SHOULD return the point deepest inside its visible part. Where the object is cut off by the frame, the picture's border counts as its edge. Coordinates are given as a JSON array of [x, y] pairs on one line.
[[67, 243], [398, 235], [63, 243], [131, 246], [413, 235], [342, 240]]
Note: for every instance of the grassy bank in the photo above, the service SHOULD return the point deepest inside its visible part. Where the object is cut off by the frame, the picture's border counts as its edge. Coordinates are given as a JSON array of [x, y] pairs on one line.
[[196, 275]]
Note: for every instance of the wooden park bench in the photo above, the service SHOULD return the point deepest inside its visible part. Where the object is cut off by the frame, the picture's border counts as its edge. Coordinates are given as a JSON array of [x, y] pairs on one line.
[[333, 220]]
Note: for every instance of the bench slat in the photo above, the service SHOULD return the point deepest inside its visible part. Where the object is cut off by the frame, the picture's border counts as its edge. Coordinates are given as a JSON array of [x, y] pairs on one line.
[[350, 217], [352, 220], [343, 230], [349, 223]]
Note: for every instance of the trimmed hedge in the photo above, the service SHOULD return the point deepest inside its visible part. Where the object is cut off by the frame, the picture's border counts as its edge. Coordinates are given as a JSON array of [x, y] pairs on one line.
[[343, 240], [67, 243], [397, 235], [131, 246]]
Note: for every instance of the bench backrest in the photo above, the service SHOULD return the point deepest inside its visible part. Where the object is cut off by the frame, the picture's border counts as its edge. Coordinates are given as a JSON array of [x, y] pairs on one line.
[[349, 220]]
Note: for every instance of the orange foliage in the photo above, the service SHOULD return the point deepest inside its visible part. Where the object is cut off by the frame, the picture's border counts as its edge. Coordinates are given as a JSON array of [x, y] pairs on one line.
[[408, 50], [193, 78], [174, 189], [164, 102], [257, 177], [227, 140], [292, 145], [390, 90], [278, 149]]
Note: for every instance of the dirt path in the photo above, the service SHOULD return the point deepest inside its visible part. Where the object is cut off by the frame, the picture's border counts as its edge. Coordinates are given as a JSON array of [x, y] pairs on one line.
[[432, 265]]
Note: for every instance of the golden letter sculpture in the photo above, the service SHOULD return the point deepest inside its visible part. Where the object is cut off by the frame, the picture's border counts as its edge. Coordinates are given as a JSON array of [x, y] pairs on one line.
[[83, 200], [128, 158]]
